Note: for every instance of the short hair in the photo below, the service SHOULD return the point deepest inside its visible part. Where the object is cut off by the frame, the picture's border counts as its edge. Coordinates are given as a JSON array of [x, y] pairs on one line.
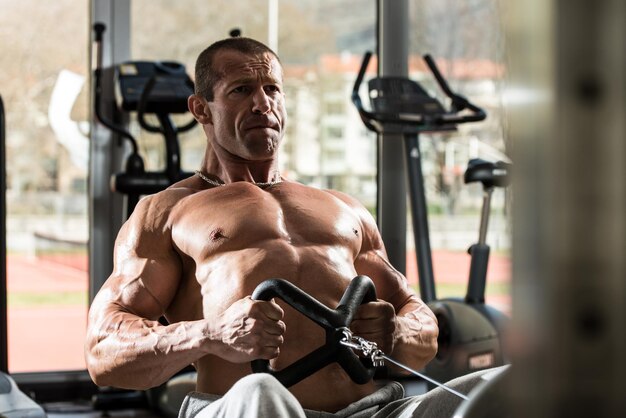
[[205, 75]]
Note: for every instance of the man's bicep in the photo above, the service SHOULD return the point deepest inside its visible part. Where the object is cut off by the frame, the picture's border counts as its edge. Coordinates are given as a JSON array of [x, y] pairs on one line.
[[391, 285], [147, 287], [144, 292], [147, 269]]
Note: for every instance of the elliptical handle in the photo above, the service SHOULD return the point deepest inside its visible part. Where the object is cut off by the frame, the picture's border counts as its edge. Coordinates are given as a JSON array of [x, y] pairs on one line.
[[361, 74], [443, 84], [375, 120], [360, 290], [369, 119], [459, 102], [99, 29], [141, 106]]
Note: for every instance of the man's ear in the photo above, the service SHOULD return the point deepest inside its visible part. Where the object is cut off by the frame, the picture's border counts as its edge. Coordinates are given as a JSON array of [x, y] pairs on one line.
[[199, 108]]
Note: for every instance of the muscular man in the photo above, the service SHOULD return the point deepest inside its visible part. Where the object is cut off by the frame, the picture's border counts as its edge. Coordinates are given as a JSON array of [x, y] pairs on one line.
[[195, 252]]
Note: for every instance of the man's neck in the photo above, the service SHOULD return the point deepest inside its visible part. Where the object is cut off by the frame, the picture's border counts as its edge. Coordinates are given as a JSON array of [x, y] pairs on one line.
[[229, 169]]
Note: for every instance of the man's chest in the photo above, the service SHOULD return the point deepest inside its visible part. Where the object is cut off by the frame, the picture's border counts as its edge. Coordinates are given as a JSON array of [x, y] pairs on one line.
[[242, 216]]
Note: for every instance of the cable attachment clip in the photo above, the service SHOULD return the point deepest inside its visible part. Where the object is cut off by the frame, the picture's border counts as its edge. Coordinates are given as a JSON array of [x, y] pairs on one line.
[[368, 348]]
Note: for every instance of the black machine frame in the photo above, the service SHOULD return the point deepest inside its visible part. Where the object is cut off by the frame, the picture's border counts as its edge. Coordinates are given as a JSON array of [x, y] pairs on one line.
[[410, 119], [162, 92]]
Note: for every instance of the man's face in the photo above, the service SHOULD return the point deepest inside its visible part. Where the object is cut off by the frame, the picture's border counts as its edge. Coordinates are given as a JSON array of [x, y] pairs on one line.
[[248, 110]]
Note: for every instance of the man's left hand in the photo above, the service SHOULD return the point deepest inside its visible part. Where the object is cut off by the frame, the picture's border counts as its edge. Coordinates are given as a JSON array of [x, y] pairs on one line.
[[376, 322]]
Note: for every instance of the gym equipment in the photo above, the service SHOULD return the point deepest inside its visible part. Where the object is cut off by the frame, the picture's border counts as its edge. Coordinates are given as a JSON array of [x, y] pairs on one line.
[[14, 403], [469, 331], [159, 88], [334, 322], [489, 399], [340, 342], [486, 400], [463, 345]]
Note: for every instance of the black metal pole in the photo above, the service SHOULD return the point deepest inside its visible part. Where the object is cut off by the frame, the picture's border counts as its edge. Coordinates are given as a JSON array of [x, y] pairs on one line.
[[477, 282], [172, 147], [4, 339], [419, 215]]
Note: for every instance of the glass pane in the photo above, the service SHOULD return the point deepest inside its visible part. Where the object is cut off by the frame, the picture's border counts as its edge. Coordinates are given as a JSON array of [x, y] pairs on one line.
[[326, 144], [43, 83], [322, 46], [466, 40]]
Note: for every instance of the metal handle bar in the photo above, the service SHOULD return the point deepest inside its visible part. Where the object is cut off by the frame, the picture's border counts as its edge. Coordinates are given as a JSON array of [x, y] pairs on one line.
[[99, 29], [141, 110], [374, 120], [360, 290]]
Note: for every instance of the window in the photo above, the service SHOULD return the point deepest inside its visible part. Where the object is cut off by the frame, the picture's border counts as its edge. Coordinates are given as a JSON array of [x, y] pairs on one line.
[[43, 85], [466, 40], [335, 108], [335, 132]]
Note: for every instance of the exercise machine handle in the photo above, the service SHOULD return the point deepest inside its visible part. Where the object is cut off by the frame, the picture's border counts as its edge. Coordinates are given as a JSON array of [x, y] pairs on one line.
[[376, 120], [459, 102], [360, 76], [142, 106], [361, 290], [99, 29], [366, 117]]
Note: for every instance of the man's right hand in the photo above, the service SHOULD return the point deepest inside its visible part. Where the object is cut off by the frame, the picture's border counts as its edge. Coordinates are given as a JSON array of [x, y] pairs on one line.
[[250, 330]]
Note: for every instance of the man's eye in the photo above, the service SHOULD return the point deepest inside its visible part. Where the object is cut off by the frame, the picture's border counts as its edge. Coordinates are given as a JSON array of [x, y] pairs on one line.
[[272, 89], [241, 89]]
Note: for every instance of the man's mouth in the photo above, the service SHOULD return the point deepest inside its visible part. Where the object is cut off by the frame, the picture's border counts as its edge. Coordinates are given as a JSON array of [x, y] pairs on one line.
[[265, 124], [255, 127], [260, 127]]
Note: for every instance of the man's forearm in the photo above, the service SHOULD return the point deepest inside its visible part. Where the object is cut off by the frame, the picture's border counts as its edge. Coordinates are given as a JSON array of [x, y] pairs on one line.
[[135, 353], [416, 337]]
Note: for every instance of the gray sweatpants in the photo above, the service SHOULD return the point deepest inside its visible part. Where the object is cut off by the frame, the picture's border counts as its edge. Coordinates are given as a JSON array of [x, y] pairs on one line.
[[261, 395]]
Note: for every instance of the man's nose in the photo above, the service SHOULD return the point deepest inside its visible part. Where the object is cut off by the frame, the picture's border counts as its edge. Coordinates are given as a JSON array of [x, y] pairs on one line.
[[261, 102]]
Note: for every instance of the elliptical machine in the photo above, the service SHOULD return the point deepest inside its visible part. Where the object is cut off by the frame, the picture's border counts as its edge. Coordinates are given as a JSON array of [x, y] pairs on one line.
[[471, 340], [160, 88], [470, 332]]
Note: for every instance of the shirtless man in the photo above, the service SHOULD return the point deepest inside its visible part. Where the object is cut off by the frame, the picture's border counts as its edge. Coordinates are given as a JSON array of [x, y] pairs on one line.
[[195, 252]]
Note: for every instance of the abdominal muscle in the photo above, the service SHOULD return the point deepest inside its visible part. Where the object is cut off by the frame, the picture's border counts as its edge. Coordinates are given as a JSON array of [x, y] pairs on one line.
[[328, 389]]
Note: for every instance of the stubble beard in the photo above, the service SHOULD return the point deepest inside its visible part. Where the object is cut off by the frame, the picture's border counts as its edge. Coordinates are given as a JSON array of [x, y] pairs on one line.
[[272, 146], [265, 150]]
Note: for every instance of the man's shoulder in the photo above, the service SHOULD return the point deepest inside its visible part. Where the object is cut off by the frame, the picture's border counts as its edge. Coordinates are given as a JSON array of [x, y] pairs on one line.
[[156, 208], [298, 187], [356, 205], [169, 197], [345, 198]]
